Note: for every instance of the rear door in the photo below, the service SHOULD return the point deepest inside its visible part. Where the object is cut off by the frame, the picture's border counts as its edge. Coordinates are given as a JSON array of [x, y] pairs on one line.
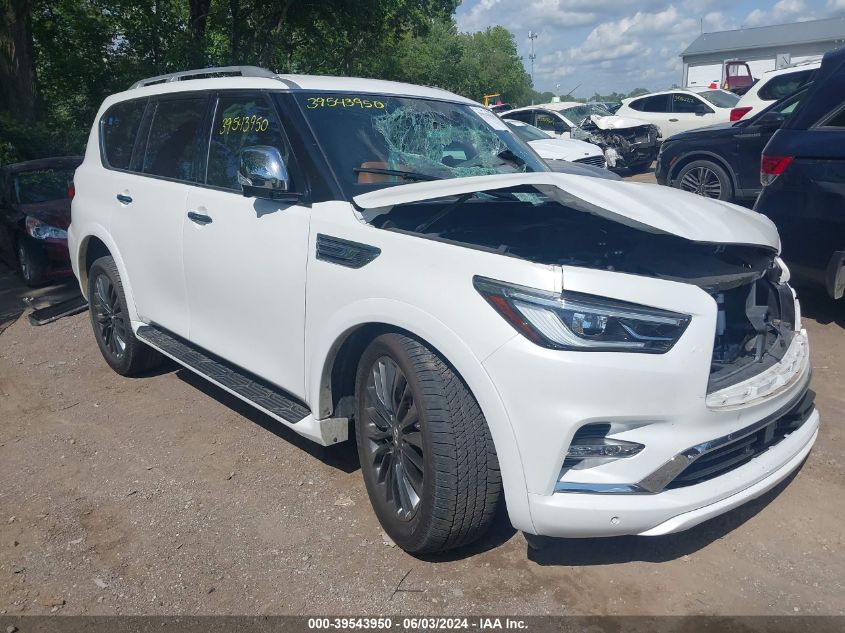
[[149, 206], [245, 258]]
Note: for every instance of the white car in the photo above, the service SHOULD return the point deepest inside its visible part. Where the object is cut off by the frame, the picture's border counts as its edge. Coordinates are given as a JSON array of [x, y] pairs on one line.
[[550, 148], [773, 86], [680, 110], [351, 254], [626, 142]]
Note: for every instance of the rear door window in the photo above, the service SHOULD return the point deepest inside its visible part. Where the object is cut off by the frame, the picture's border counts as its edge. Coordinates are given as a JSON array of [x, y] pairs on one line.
[[241, 120], [175, 138], [688, 104], [547, 121], [118, 131]]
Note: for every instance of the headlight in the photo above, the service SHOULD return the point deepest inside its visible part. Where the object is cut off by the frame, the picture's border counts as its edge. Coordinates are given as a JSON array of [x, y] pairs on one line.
[[41, 231], [577, 321]]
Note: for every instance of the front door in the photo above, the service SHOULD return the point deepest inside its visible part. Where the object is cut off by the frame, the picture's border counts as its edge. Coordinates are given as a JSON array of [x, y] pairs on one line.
[[245, 258]]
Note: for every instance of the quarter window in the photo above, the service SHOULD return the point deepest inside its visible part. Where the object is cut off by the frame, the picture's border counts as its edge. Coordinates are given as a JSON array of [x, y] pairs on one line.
[[657, 103], [525, 116], [784, 85], [837, 120], [174, 139], [240, 121], [118, 129]]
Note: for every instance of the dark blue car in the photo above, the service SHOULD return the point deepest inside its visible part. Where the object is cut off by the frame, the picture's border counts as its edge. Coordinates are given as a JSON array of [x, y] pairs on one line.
[[803, 174]]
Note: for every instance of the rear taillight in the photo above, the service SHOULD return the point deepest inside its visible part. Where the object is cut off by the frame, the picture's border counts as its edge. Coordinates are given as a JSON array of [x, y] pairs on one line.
[[738, 113], [71, 191], [771, 167]]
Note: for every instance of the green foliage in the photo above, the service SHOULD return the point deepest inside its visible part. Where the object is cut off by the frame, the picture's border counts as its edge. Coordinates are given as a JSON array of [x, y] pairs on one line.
[[86, 50]]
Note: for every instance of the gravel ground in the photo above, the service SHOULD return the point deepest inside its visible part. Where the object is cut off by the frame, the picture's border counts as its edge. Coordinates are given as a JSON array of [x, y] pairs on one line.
[[164, 495]]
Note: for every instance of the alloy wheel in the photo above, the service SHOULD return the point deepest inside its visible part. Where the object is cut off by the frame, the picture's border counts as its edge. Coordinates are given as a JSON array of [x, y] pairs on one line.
[[393, 437], [702, 181], [110, 318]]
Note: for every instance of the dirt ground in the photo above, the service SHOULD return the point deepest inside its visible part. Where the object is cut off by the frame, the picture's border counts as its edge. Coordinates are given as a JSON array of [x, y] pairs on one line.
[[164, 495]]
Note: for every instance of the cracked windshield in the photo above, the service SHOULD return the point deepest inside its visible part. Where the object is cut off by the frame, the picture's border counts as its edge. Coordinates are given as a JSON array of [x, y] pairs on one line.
[[377, 141]]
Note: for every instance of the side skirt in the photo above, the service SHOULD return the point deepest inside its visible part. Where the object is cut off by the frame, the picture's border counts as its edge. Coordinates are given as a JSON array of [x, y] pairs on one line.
[[275, 402]]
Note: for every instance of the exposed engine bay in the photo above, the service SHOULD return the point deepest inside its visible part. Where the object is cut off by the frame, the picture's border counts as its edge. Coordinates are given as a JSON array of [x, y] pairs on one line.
[[622, 146], [756, 315]]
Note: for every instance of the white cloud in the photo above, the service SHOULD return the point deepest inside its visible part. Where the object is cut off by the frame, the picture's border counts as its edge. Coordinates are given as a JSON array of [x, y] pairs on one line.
[[782, 12], [619, 45]]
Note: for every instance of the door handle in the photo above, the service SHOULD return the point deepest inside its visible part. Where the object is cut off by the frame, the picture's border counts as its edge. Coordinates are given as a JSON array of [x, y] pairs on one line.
[[673, 120], [124, 198], [199, 218]]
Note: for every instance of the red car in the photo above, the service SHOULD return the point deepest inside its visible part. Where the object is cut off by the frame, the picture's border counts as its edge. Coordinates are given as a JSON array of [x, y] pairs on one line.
[[34, 217]]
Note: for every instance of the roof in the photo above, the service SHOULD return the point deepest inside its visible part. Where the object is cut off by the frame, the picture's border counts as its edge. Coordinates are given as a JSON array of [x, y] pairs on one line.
[[203, 80], [42, 163], [827, 30]]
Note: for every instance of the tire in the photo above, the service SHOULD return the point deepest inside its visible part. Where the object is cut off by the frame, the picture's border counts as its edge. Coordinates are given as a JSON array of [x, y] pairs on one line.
[[445, 461], [31, 262], [705, 178], [124, 353]]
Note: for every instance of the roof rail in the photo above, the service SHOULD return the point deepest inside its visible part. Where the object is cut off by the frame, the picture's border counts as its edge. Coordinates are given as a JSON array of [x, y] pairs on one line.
[[243, 71]]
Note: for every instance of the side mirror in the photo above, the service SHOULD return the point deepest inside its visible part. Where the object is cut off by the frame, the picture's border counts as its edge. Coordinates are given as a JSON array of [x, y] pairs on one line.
[[262, 173]]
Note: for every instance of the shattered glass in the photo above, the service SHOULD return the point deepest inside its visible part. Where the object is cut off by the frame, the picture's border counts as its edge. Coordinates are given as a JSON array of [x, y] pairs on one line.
[[374, 141], [431, 142]]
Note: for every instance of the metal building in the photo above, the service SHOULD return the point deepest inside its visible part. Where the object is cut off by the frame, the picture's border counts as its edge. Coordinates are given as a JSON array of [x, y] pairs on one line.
[[764, 48]]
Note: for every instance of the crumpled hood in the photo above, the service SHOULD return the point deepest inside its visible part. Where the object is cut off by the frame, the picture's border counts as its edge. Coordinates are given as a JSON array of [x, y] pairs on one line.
[[644, 206], [615, 122], [564, 149], [53, 212]]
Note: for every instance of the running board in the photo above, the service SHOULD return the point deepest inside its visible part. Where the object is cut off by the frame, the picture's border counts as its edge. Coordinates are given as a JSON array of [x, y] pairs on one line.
[[268, 398]]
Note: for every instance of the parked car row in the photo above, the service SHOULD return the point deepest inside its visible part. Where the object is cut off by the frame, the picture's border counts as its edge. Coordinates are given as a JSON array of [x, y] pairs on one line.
[[787, 157]]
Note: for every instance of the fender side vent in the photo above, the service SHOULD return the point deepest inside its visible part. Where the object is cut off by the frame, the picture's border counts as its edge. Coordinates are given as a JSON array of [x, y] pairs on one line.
[[345, 253]]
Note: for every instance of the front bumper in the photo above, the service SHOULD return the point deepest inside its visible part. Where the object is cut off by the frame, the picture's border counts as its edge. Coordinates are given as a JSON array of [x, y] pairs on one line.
[[592, 515]]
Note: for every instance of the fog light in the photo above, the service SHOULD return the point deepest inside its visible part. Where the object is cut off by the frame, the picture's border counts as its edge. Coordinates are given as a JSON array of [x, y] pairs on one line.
[[586, 447]]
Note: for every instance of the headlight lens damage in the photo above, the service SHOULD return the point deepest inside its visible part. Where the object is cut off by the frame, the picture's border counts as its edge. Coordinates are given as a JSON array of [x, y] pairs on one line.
[[583, 322], [43, 231]]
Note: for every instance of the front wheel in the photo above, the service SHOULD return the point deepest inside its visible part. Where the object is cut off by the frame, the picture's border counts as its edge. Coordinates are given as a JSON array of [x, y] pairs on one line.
[[426, 453], [706, 179], [110, 320]]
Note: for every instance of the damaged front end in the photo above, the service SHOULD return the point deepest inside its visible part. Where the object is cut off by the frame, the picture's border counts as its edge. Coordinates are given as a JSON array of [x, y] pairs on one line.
[[726, 251], [630, 146]]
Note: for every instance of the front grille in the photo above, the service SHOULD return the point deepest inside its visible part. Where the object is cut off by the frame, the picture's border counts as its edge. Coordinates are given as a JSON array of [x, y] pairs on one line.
[[743, 449], [595, 161]]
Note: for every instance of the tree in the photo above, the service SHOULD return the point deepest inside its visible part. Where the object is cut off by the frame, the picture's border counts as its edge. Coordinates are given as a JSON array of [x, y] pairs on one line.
[[18, 83]]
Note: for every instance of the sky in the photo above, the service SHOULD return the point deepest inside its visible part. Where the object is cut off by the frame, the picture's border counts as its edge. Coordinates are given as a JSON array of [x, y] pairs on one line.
[[619, 45]]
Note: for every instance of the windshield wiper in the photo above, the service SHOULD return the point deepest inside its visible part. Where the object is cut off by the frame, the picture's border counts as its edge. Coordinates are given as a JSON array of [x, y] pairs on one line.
[[401, 173]]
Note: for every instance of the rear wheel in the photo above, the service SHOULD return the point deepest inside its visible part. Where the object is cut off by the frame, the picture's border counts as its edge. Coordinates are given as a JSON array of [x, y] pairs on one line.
[[705, 178], [110, 320], [426, 453]]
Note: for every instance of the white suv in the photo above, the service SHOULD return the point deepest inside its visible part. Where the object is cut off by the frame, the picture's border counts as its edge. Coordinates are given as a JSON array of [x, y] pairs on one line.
[[773, 86], [616, 357]]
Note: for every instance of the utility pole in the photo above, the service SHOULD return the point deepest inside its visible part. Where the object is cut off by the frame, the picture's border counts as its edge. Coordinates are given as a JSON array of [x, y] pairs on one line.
[[532, 36]]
